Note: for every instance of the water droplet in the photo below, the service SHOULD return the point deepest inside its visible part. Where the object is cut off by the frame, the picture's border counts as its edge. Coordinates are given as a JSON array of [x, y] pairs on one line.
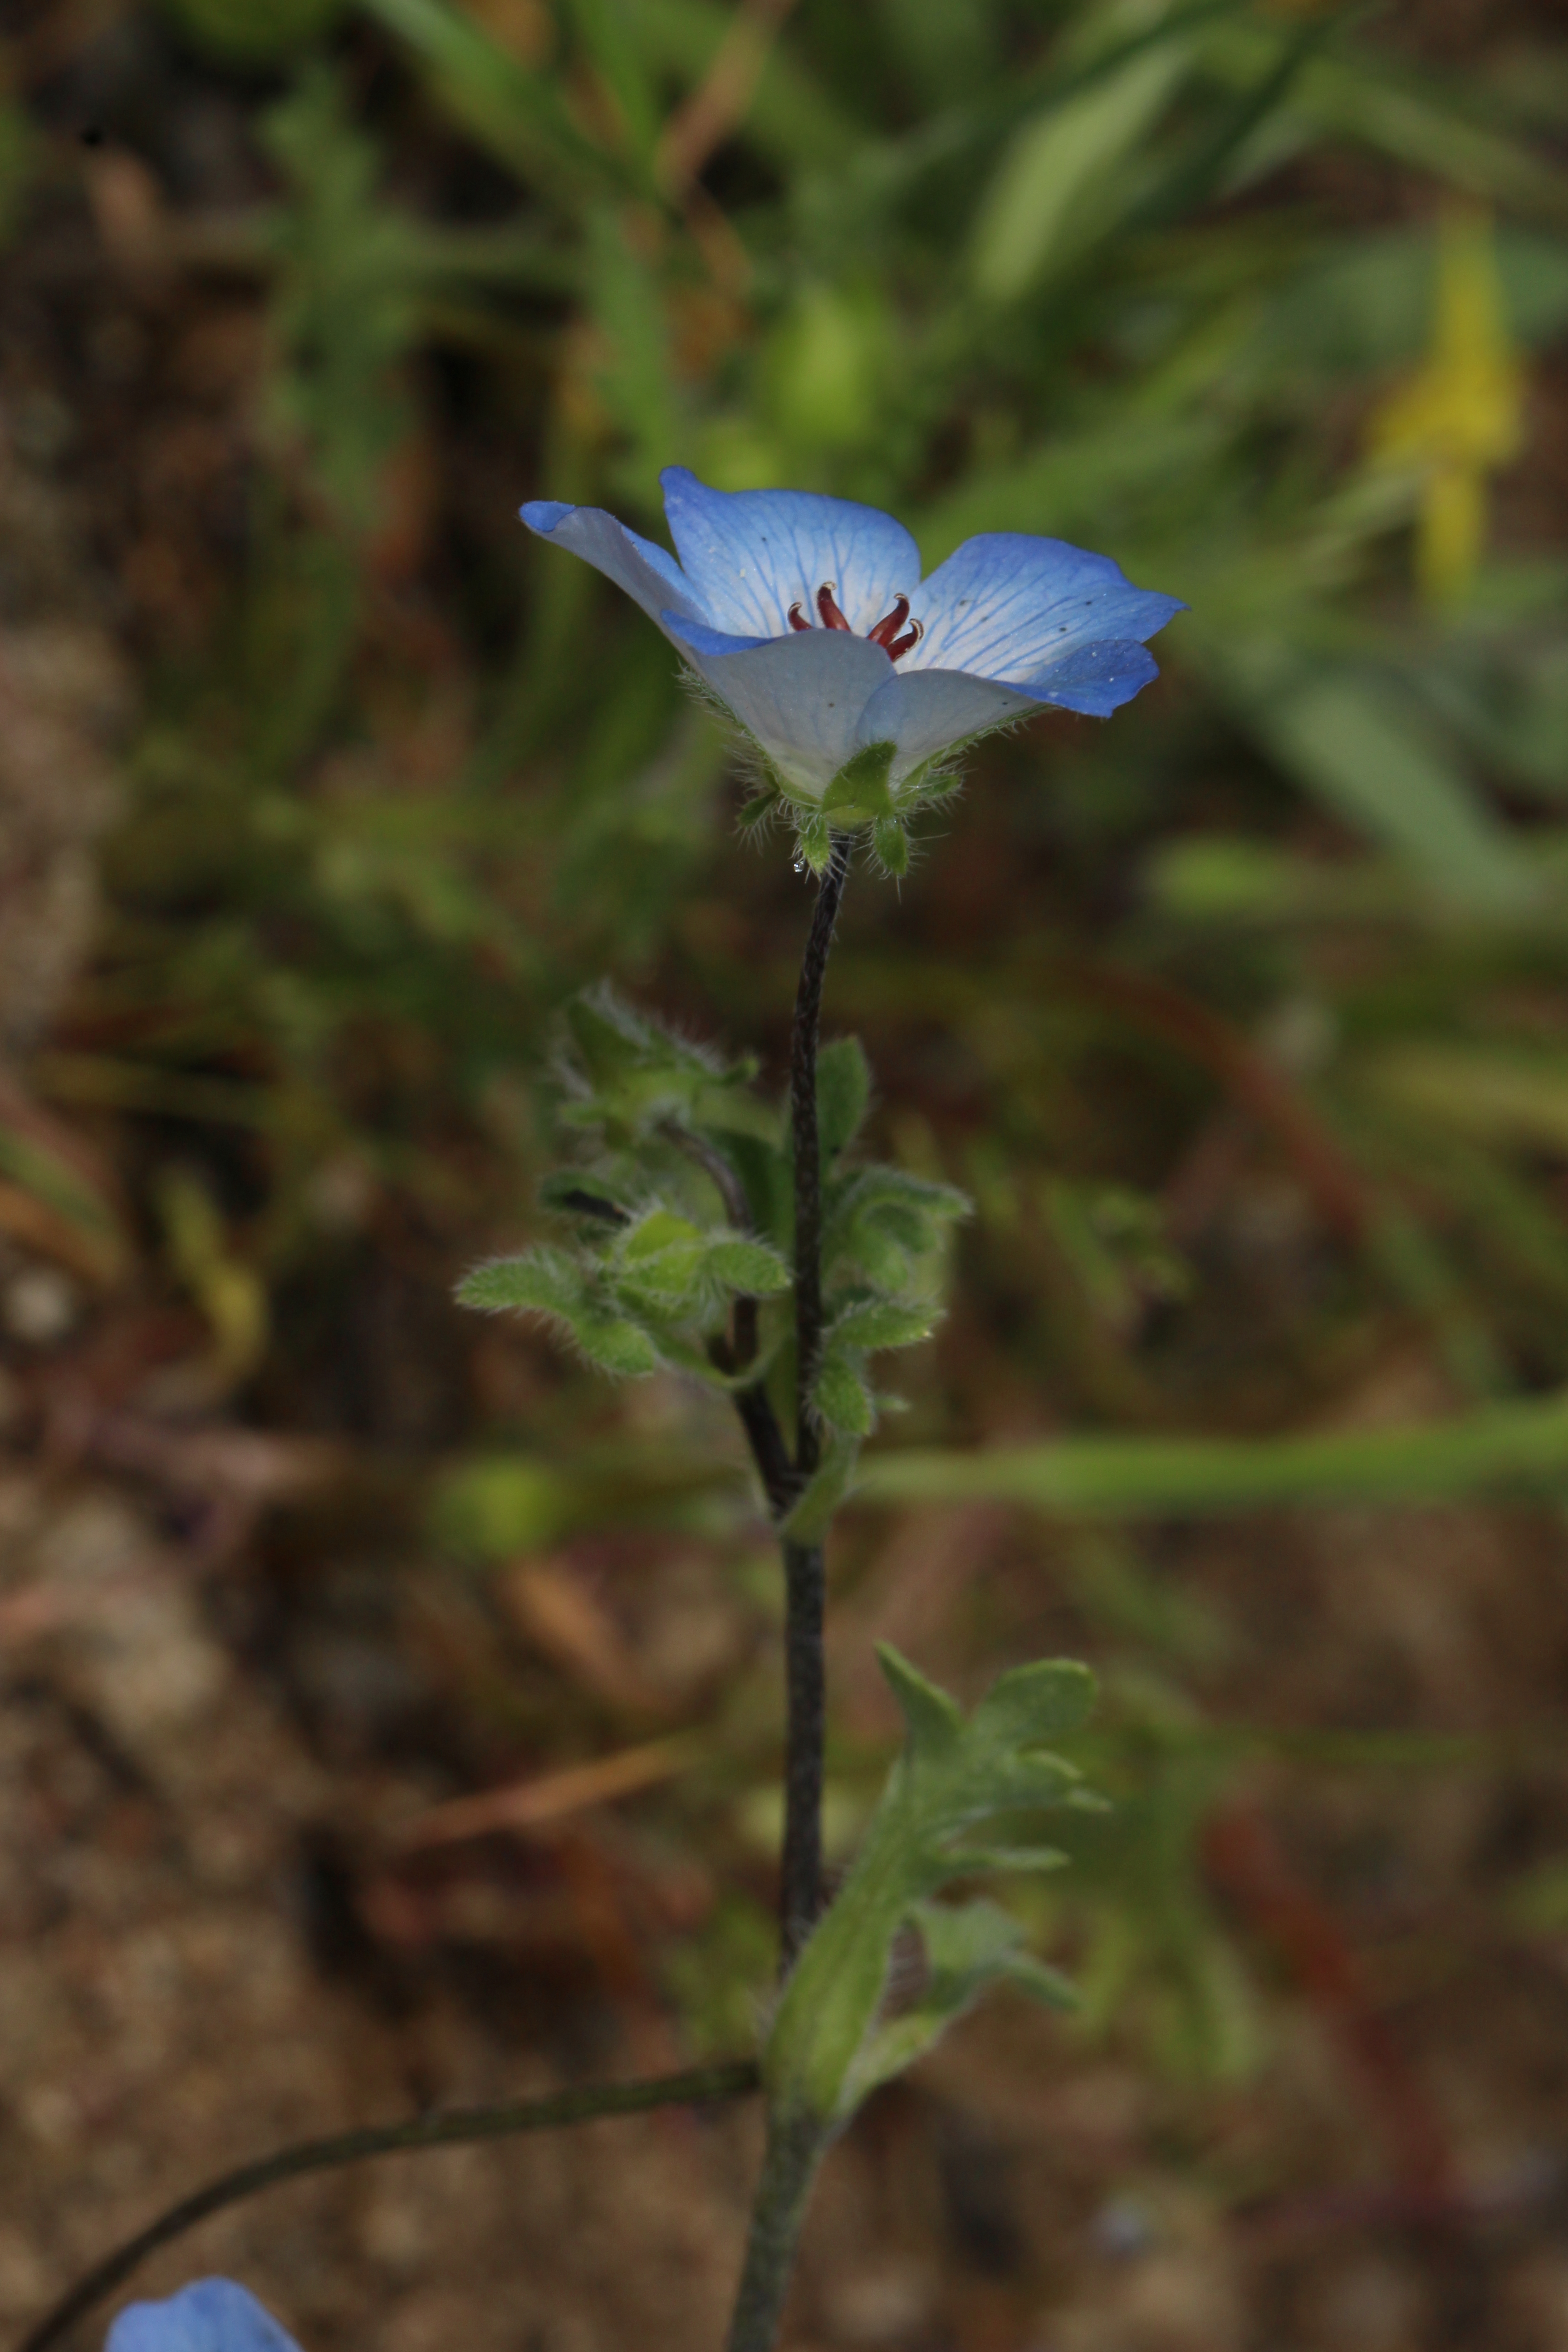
[[800, 865]]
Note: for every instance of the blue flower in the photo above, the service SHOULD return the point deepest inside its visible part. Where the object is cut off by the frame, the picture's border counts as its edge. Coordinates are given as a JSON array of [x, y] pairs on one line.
[[808, 618], [211, 2315]]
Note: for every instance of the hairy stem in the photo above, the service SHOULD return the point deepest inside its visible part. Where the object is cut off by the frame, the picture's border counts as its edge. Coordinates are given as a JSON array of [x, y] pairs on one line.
[[696, 2088], [795, 2150], [808, 1151], [800, 1886]]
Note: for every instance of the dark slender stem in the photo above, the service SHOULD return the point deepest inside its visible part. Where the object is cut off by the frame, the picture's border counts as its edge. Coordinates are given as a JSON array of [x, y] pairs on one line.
[[808, 1152], [698, 2086], [806, 1693], [769, 1451], [715, 1167], [795, 2150], [800, 1874]]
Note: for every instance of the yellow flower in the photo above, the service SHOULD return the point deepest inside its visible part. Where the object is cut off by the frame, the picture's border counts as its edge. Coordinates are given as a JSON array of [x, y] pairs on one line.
[[1462, 416]]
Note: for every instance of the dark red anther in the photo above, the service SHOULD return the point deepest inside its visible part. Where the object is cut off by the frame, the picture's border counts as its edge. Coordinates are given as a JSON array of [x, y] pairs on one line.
[[887, 628], [911, 637], [797, 619], [832, 618]]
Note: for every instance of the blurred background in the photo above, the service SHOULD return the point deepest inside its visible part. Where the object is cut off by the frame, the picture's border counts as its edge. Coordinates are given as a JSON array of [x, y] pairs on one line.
[[389, 1708]]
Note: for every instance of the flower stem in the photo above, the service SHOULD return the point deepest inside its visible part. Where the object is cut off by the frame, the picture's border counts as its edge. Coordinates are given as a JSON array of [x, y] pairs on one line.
[[800, 1877], [733, 2080], [795, 2150]]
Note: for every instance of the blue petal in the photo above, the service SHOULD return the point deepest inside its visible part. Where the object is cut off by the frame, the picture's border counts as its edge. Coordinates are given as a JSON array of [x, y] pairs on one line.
[[1004, 605], [646, 571], [1098, 679], [701, 639], [926, 712], [802, 698], [213, 2314], [751, 554]]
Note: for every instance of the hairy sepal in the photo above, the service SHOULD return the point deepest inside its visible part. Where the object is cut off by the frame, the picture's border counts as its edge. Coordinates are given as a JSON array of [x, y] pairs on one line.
[[858, 794]]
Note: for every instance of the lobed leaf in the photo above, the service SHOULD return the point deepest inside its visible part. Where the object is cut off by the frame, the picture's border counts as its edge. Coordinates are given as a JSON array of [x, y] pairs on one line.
[[830, 2043], [547, 1282]]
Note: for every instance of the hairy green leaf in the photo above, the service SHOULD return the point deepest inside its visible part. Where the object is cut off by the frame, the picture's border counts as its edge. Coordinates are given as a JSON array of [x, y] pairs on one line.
[[843, 1093], [880, 1324], [829, 2044], [842, 1398], [747, 1265]]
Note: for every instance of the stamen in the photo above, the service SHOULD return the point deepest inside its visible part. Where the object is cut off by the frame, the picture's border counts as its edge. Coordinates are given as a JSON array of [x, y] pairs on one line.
[[832, 618], [887, 628], [797, 619], [911, 637]]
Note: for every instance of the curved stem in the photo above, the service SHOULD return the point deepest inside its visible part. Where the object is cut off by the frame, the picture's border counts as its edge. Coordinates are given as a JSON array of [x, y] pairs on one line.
[[696, 2088], [800, 1876]]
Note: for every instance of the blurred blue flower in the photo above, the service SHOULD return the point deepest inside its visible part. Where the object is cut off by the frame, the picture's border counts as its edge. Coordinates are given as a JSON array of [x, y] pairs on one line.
[[211, 2315], [808, 618]]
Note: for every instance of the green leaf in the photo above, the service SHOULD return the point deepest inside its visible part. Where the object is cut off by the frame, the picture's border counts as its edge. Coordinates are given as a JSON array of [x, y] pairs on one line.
[[1368, 754], [881, 1258], [880, 1324], [969, 1946], [517, 114], [548, 1282], [793, 119], [616, 1346], [933, 1721], [841, 1397], [607, 1037], [830, 2046], [1039, 1701], [813, 1511], [1518, 1447], [748, 1267], [237, 31], [981, 1860], [1413, 118], [610, 31], [843, 1093], [544, 1281], [630, 1074], [637, 374], [1065, 175], [730, 1107], [659, 1231]]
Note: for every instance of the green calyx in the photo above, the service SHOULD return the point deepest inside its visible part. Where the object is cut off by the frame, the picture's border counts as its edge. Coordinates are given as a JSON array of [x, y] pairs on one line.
[[862, 800], [858, 794]]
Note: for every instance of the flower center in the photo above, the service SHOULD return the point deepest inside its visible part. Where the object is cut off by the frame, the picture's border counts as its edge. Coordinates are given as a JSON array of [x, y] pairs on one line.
[[890, 632]]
